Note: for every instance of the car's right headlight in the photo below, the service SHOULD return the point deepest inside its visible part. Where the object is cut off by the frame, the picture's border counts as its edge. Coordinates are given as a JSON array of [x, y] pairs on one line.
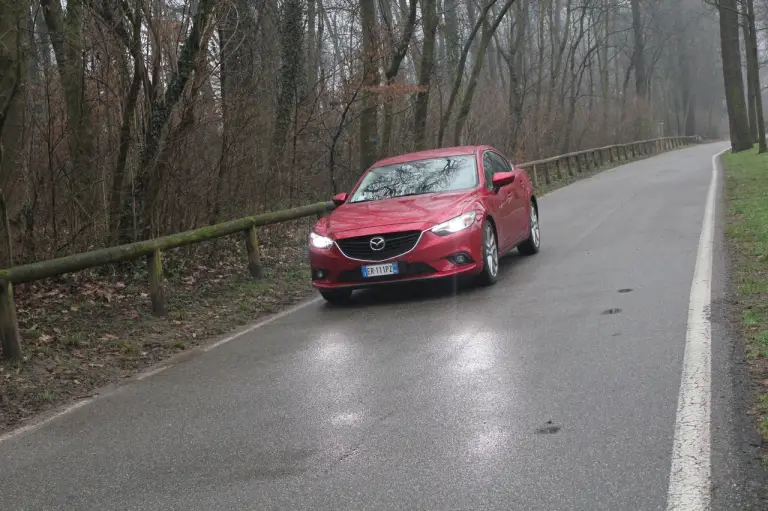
[[453, 225], [320, 242]]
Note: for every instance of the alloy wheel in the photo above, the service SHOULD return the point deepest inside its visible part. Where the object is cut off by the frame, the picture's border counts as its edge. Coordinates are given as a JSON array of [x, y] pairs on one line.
[[535, 233], [491, 251]]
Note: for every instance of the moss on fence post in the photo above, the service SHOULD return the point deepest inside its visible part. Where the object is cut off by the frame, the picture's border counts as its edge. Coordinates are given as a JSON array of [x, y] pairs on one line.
[[156, 284], [254, 258], [9, 326]]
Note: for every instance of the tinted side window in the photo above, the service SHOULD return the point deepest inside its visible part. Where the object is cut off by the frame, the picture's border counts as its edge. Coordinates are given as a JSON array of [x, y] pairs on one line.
[[493, 163], [500, 162], [489, 168]]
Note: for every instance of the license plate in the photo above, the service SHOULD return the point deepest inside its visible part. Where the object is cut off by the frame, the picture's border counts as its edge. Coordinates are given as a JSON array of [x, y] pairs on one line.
[[378, 270]]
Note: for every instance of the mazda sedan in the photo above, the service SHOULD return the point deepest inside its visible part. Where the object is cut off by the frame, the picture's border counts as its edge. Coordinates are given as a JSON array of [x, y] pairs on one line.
[[433, 214]]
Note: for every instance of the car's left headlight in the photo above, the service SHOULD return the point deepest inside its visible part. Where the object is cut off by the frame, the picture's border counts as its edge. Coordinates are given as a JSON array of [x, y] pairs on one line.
[[453, 225], [320, 242]]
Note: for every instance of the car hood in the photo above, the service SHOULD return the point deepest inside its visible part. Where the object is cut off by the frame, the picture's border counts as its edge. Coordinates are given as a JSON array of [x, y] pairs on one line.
[[416, 212]]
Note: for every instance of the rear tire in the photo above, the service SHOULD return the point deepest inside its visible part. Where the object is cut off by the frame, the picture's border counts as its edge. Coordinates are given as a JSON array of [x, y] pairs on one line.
[[337, 296], [490, 273], [532, 244]]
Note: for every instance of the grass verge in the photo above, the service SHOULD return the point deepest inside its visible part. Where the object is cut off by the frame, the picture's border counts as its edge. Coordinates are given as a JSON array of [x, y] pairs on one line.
[[746, 188]]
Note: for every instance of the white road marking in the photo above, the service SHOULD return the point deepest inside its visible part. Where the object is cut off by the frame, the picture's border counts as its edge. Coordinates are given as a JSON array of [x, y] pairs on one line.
[[146, 374], [45, 421], [689, 478], [260, 324]]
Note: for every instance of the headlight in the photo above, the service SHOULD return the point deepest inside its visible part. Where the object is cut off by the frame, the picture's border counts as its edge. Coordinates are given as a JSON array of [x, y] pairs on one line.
[[453, 225], [321, 242]]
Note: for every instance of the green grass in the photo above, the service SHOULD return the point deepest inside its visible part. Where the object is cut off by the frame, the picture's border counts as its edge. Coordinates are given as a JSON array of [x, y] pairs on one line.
[[746, 186]]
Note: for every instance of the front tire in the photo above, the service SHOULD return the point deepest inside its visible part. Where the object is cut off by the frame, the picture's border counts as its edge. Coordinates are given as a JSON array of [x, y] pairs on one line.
[[532, 244], [337, 296], [490, 273]]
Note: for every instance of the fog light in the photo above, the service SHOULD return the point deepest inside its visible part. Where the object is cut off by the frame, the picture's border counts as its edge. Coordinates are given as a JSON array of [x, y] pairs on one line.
[[461, 258], [319, 274]]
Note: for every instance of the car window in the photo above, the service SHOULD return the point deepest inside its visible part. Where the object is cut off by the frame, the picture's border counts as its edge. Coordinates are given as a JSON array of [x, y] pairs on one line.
[[502, 162], [493, 163], [418, 177]]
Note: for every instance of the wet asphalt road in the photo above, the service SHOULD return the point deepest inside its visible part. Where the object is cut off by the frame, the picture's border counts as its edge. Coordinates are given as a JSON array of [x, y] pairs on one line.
[[422, 398]]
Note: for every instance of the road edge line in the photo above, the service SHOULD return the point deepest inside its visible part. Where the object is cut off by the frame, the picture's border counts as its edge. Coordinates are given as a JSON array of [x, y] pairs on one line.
[[47, 417], [691, 470]]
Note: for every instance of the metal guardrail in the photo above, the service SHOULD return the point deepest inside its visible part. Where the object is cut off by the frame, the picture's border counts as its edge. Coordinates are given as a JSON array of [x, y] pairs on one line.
[[10, 339]]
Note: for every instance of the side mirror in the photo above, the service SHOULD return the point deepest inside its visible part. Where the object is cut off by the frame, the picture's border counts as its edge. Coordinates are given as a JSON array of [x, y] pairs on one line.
[[340, 198], [501, 179]]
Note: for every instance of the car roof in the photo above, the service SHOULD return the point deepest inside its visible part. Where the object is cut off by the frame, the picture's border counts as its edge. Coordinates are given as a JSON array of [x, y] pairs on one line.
[[431, 153]]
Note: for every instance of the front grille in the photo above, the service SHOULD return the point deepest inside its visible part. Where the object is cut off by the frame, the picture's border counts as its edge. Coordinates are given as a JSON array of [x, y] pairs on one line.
[[395, 244], [405, 270]]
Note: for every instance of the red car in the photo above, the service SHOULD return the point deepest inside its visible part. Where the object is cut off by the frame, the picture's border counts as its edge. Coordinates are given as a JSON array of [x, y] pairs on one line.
[[443, 213]]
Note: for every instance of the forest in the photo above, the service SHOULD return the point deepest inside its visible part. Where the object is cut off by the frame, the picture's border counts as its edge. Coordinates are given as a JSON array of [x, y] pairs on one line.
[[123, 120]]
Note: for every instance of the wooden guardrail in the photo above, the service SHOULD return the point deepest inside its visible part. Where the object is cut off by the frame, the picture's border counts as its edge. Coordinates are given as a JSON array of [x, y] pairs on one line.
[[590, 159], [10, 339]]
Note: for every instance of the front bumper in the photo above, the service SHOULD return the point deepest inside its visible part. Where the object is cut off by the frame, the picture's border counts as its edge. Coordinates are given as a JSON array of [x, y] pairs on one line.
[[433, 257]]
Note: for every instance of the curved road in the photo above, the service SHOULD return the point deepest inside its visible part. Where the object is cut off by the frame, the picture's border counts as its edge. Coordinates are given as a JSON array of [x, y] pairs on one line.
[[526, 395]]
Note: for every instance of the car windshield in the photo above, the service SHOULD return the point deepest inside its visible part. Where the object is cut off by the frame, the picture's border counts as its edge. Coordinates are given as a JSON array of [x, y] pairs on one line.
[[418, 177]]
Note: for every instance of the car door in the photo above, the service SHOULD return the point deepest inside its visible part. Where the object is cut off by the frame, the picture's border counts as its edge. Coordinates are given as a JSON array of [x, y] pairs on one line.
[[501, 199], [518, 204]]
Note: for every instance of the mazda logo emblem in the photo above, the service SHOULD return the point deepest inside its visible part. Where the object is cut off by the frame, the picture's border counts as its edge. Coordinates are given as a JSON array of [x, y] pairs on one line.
[[377, 243]]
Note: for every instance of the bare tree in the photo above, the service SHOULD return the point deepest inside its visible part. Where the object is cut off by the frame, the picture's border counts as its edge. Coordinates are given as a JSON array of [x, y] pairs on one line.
[[734, 85]]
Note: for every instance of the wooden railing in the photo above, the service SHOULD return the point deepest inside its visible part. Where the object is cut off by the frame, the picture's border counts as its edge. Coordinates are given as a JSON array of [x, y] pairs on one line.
[[10, 339], [593, 159]]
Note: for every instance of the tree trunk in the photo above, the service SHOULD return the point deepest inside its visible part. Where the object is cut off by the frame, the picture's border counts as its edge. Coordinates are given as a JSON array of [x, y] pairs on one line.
[[514, 63], [291, 37], [369, 117], [638, 57], [399, 50], [751, 76], [425, 74], [734, 85], [460, 72], [752, 45], [67, 38], [312, 53], [154, 156], [14, 20], [452, 34], [466, 104]]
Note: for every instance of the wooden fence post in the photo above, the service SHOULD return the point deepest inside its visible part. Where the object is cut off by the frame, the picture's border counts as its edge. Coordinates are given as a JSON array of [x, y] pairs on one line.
[[9, 327], [535, 175], [559, 170], [254, 257], [156, 284]]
